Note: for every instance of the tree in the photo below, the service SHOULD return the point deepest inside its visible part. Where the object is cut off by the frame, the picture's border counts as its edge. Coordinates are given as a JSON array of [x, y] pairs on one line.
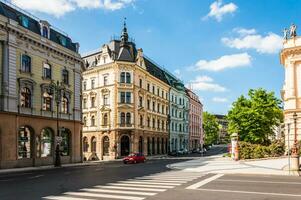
[[255, 118], [210, 128]]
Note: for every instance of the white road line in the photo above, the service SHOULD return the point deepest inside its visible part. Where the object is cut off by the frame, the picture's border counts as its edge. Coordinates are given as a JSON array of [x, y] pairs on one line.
[[204, 182], [87, 194], [270, 182], [132, 188], [119, 191], [248, 192], [64, 198], [157, 180], [149, 183], [171, 177], [140, 185]]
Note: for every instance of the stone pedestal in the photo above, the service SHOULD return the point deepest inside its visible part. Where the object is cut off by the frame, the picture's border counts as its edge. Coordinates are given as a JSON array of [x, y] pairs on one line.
[[295, 163]]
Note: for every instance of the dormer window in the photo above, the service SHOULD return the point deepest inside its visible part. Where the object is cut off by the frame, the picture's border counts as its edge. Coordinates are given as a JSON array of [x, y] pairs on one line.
[[45, 29], [63, 40], [45, 32], [24, 21]]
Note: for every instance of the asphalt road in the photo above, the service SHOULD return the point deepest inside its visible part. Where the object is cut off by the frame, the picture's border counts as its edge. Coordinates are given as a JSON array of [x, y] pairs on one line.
[[150, 180]]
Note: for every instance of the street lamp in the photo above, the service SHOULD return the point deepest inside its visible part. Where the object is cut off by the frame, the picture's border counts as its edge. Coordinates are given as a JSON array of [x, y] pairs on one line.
[[57, 89], [295, 148]]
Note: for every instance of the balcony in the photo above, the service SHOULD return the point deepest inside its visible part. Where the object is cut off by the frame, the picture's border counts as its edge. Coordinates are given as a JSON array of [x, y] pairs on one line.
[[125, 125]]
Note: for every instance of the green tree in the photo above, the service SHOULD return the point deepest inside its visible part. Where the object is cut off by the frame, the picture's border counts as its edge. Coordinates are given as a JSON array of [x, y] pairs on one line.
[[254, 118], [210, 128]]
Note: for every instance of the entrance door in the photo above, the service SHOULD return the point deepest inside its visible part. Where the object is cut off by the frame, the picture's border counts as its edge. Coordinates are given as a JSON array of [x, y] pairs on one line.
[[125, 145]]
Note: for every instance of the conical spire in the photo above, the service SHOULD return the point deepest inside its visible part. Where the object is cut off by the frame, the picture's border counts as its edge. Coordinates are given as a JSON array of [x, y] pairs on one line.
[[124, 35]]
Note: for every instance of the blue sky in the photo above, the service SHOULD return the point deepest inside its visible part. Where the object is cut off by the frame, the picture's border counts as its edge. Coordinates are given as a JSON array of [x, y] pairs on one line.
[[221, 48]]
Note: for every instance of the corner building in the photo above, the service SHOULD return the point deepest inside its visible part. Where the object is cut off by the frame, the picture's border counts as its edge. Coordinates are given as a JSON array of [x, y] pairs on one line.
[[32, 55], [125, 102]]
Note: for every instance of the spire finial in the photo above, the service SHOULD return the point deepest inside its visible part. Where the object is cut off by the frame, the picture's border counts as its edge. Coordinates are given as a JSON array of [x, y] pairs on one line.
[[124, 35]]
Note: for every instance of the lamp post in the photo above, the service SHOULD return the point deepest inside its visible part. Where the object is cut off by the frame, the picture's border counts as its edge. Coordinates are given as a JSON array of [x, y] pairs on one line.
[[295, 148], [57, 88]]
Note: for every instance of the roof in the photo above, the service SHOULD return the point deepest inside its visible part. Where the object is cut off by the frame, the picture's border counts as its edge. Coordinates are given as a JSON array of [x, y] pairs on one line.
[[34, 25], [154, 70]]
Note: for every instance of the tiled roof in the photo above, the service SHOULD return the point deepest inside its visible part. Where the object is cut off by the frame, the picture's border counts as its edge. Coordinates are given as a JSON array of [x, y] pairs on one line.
[[154, 70]]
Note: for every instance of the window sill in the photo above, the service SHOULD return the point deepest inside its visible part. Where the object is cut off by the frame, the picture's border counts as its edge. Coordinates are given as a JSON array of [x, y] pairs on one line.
[[46, 78], [26, 73]]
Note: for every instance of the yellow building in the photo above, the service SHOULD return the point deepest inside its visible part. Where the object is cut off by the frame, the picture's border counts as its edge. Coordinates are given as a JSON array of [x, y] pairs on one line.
[[125, 102], [33, 54]]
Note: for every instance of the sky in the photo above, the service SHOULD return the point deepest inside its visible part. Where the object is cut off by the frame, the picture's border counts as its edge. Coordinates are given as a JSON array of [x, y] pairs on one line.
[[220, 48]]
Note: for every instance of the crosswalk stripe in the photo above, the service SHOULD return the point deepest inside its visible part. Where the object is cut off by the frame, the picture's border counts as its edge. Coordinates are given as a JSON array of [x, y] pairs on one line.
[[64, 198], [87, 194], [158, 180], [132, 188], [169, 178], [149, 183], [118, 191], [141, 185]]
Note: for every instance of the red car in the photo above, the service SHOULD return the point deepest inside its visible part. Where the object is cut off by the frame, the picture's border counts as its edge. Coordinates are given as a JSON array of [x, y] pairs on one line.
[[134, 158]]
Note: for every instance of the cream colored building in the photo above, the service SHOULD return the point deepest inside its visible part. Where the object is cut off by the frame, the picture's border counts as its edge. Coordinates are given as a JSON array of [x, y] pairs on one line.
[[125, 102], [290, 58], [32, 54]]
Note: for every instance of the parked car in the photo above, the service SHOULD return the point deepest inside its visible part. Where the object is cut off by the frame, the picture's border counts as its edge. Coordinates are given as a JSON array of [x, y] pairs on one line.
[[134, 158]]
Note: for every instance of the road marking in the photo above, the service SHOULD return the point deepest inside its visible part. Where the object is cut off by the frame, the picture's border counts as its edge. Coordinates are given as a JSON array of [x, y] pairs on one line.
[[87, 194], [37, 176], [118, 191], [204, 182], [157, 180], [132, 188], [64, 198], [149, 183], [248, 192], [140, 185], [272, 182]]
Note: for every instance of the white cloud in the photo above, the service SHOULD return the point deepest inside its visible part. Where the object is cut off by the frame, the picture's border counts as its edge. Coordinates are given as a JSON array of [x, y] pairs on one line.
[[205, 83], [248, 39], [60, 7], [218, 10], [219, 100], [224, 62]]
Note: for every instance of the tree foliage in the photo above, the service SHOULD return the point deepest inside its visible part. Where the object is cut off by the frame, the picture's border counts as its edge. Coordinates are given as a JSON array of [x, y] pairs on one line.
[[210, 128], [255, 118]]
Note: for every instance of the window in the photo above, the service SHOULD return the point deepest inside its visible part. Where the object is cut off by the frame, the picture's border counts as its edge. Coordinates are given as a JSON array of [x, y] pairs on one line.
[[140, 83], [65, 76], [65, 105], [154, 123], [85, 144], [122, 118], [148, 87], [24, 21], [148, 104], [85, 85], [85, 121], [92, 102], [128, 77], [122, 97], [158, 107], [162, 94], [141, 120], [128, 97], [128, 118], [158, 91], [162, 125], [140, 101], [84, 103], [26, 64], [47, 102], [92, 121], [47, 71], [105, 119], [24, 142], [63, 40], [92, 84], [45, 32], [106, 145], [153, 89], [158, 124], [46, 142], [104, 59], [122, 77], [25, 97], [105, 100], [105, 80], [148, 122], [65, 134], [154, 107], [93, 144]]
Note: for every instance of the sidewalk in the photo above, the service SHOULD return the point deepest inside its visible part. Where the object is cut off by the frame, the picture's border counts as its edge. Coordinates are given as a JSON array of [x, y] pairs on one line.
[[86, 163], [220, 165]]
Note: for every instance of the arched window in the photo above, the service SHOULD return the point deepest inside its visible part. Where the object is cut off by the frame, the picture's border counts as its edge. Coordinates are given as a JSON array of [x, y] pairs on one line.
[[92, 121], [93, 144], [85, 144], [65, 144], [65, 105], [122, 118], [46, 142], [25, 97], [105, 119], [24, 142], [85, 121], [47, 101], [128, 118], [106, 146], [122, 77]]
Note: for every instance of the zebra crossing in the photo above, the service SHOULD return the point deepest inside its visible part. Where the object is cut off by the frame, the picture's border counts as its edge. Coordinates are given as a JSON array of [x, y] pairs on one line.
[[137, 188]]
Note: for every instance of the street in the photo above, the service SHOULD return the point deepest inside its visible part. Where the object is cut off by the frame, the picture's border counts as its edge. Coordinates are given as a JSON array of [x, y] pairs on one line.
[[150, 180]]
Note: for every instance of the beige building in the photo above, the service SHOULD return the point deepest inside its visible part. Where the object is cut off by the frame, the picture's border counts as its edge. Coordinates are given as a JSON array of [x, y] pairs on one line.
[[32, 55], [125, 102], [290, 58]]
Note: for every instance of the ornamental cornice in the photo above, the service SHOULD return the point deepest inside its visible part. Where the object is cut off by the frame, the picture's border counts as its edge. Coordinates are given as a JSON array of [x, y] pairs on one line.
[[289, 51]]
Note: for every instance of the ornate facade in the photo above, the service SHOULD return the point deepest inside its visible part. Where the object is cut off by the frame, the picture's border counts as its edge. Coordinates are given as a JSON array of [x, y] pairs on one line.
[[125, 102], [32, 55]]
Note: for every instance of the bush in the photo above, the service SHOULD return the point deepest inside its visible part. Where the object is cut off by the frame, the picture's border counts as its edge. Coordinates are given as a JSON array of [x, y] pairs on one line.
[[251, 151]]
